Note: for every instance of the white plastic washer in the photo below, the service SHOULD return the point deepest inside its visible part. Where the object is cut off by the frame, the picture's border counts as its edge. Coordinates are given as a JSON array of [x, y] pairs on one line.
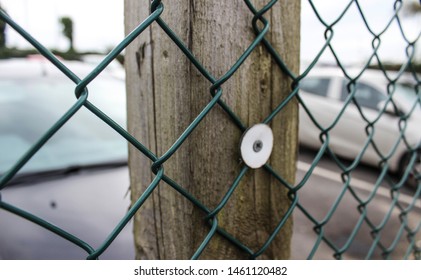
[[256, 145]]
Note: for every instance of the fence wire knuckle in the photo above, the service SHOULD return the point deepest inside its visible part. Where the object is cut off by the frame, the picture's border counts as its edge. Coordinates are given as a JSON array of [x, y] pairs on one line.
[[397, 211]]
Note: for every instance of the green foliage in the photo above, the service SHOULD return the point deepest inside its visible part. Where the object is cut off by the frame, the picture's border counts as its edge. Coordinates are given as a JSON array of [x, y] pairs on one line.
[[412, 8], [67, 24]]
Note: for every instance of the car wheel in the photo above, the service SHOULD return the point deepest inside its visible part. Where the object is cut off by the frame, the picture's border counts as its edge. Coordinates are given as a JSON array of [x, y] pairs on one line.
[[414, 177]]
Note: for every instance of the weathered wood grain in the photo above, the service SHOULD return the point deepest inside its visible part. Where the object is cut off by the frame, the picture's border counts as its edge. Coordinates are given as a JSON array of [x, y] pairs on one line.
[[165, 94]]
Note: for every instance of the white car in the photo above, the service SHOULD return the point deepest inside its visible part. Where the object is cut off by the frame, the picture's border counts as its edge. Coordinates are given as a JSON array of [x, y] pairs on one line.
[[79, 180], [327, 96]]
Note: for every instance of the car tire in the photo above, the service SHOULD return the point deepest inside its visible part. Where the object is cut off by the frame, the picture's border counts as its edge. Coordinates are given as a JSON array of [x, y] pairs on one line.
[[414, 177]]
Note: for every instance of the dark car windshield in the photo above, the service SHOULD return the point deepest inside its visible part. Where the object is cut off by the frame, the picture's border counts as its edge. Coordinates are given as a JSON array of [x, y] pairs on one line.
[[29, 107]]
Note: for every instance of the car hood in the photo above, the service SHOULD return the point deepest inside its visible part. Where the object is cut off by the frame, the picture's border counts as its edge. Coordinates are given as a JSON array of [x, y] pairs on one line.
[[88, 205]]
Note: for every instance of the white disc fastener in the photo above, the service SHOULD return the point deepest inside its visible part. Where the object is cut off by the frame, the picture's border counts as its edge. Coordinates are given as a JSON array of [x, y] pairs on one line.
[[256, 145]]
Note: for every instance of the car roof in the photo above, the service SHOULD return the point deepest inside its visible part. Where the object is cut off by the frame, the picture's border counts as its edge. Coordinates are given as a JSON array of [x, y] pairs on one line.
[[38, 66], [374, 75]]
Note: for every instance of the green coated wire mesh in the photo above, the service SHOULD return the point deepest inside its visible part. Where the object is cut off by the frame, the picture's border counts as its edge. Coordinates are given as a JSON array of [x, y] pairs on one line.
[[402, 192]]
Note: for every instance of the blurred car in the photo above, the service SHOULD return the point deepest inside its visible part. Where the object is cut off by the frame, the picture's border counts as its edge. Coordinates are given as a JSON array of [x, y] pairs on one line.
[[79, 179], [324, 92]]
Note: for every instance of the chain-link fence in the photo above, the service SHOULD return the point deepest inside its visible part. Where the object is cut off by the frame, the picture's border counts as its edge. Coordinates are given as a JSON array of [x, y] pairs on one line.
[[370, 97]]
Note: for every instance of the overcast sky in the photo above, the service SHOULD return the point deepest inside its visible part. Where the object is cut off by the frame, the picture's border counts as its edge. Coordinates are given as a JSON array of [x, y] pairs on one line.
[[94, 29], [101, 29]]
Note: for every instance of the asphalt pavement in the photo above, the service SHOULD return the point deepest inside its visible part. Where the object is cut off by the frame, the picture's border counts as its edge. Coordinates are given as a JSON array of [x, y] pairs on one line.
[[348, 230]]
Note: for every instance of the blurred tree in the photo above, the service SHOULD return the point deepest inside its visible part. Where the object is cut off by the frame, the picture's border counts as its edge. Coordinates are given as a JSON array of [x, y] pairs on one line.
[[2, 31], [67, 23], [413, 8]]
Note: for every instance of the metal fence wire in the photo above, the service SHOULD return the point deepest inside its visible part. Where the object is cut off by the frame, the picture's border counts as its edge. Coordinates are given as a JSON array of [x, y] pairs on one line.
[[396, 188]]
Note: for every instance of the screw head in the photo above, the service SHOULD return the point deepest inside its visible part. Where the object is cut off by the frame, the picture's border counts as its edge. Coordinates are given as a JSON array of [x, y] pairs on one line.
[[257, 146]]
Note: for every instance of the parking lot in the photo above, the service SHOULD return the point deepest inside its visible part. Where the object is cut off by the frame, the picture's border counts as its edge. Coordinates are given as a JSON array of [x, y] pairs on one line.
[[321, 192]]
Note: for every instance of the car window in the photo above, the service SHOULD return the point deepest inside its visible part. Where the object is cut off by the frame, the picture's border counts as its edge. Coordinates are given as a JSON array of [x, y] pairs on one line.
[[29, 107], [365, 95], [314, 85], [407, 97]]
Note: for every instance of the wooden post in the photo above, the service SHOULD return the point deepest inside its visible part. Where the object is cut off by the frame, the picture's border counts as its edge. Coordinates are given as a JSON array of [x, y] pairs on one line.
[[165, 94]]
